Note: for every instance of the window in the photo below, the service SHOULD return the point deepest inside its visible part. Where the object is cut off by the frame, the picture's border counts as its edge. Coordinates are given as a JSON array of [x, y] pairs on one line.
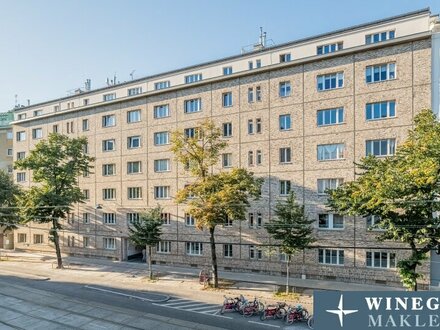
[[250, 65], [383, 147], [259, 157], [37, 133], [86, 218], [38, 239], [193, 78], [86, 148], [133, 116], [331, 151], [162, 84], [54, 128], [258, 125], [10, 169], [194, 248], [285, 155], [134, 91], [21, 116], [21, 176], [109, 97], [324, 184], [194, 105], [109, 243], [330, 221], [251, 220], [380, 110], [86, 173], [285, 187], [38, 113], [71, 241], [161, 111], [255, 253], [330, 81], [21, 238], [250, 126], [378, 37], [108, 193], [21, 136], [9, 152], [227, 99], [133, 142], [108, 169], [250, 158], [109, 218], [227, 129], [331, 257], [258, 63], [108, 145], [161, 138], [285, 58], [163, 247], [86, 102], [134, 193], [227, 160], [227, 250], [189, 220], [381, 259], [255, 220], [70, 218], [86, 241], [330, 116], [161, 165], [134, 167], [86, 194], [69, 127], [284, 89], [166, 218], [372, 222], [56, 108], [258, 93], [376, 73], [70, 105], [192, 133], [85, 125], [250, 95], [285, 122], [9, 135], [330, 48], [133, 217], [108, 120], [161, 192], [228, 222], [227, 70]]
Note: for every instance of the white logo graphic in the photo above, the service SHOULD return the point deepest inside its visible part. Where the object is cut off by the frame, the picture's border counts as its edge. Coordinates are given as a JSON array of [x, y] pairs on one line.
[[341, 312]]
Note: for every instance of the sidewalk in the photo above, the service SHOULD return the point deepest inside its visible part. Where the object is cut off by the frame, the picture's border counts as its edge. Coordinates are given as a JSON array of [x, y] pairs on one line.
[[184, 272]]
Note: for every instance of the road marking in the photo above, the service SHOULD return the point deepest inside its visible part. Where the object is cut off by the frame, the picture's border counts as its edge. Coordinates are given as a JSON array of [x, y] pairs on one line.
[[190, 305], [128, 295], [196, 310], [179, 303], [265, 324], [210, 311], [204, 307]]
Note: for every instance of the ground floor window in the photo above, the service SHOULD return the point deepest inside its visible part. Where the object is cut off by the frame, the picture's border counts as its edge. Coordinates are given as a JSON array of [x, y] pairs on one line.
[[194, 248], [381, 259], [331, 256], [38, 239], [109, 243], [255, 252], [22, 238], [163, 247], [227, 250]]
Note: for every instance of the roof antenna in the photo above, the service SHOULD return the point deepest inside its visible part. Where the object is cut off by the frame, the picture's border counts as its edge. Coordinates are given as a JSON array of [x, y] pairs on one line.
[[131, 74]]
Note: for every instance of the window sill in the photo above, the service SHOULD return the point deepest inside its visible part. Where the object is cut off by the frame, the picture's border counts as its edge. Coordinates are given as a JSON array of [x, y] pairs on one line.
[[330, 160], [286, 129], [335, 265], [379, 119], [335, 124], [162, 117], [379, 81], [331, 229], [285, 163]]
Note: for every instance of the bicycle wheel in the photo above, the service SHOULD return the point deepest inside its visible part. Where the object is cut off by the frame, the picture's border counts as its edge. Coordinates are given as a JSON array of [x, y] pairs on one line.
[[248, 311], [281, 313], [263, 316], [260, 307], [289, 318], [222, 311], [310, 322], [305, 315]]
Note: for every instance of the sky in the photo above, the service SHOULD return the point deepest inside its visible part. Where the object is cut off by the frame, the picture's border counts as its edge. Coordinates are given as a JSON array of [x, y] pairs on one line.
[[50, 47]]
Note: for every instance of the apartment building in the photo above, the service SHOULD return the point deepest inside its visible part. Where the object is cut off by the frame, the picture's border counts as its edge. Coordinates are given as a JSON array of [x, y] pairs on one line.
[[297, 114], [6, 240]]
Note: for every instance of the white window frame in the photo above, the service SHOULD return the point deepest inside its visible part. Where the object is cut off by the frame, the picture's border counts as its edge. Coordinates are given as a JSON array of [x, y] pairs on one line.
[[285, 187], [162, 84], [190, 221], [159, 165], [163, 247], [109, 218], [194, 248], [390, 262], [162, 192], [134, 193], [331, 257], [326, 155], [228, 250], [134, 91], [285, 155], [133, 217], [328, 183], [161, 138], [109, 120], [107, 143], [321, 80], [227, 100], [390, 147], [109, 243], [192, 105], [370, 72], [380, 110], [108, 194], [134, 116], [131, 167], [333, 116], [161, 111], [330, 221], [227, 160], [37, 133], [285, 89], [130, 142], [255, 253], [285, 122]]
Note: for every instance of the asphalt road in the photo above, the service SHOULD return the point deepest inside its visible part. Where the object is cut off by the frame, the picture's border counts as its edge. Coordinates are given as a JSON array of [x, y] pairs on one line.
[[179, 310]]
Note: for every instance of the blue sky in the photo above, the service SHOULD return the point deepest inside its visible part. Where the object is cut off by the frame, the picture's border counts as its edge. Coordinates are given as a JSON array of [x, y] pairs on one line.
[[49, 47]]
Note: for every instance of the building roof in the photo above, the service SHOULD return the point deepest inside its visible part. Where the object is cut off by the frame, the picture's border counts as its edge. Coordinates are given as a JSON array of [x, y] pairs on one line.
[[229, 58]]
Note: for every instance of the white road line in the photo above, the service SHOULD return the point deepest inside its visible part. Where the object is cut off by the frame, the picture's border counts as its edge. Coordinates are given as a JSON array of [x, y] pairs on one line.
[[192, 311], [207, 306], [190, 305], [265, 324], [127, 295], [175, 300], [179, 303], [210, 311]]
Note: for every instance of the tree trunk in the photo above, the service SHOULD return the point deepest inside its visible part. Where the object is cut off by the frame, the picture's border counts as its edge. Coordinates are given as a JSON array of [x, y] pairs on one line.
[[56, 242], [287, 274], [213, 257], [150, 271]]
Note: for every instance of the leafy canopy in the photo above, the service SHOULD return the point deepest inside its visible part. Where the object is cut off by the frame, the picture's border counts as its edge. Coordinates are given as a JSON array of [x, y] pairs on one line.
[[147, 230], [9, 191]]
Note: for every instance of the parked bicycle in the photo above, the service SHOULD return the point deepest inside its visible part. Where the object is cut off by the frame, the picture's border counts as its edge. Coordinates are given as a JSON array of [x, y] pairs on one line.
[[250, 308], [232, 304], [310, 322], [297, 314], [277, 311]]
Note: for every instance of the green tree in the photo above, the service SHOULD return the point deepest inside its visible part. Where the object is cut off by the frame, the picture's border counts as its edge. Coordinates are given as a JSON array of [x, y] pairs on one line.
[[213, 198], [9, 191], [56, 164], [291, 228], [147, 231], [403, 190]]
